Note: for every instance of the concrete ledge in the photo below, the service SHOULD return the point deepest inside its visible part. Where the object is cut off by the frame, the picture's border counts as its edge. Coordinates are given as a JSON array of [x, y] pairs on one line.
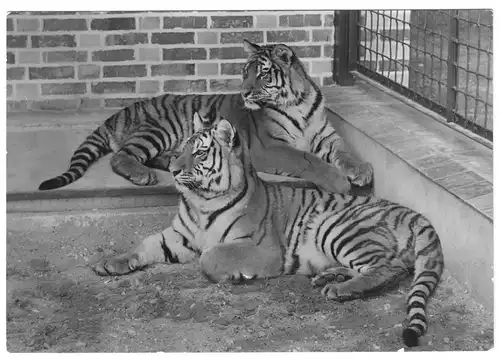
[[466, 232]]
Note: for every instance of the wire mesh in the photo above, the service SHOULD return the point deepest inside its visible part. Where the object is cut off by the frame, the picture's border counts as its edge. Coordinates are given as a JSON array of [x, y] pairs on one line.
[[442, 59]]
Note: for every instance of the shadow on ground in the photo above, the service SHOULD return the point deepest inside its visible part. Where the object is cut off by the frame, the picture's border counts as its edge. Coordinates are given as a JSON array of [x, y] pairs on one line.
[[55, 303]]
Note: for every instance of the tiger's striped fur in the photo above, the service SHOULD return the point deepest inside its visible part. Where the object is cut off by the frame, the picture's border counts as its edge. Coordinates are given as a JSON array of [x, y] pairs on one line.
[[148, 134], [244, 228]]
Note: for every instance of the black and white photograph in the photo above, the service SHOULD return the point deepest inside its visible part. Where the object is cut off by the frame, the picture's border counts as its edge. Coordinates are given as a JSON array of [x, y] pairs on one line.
[[266, 180]]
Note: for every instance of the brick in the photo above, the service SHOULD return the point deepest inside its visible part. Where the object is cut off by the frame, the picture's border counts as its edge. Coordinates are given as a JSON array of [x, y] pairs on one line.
[[322, 66], [15, 73], [149, 54], [113, 55], [89, 71], [149, 86], [307, 51], [328, 50], [27, 25], [328, 80], [169, 38], [206, 38], [29, 57], [29, 91], [11, 58], [56, 104], [89, 40], [121, 102], [232, 68], [127, 39], [225, 85], [113, 87], [237, 37], [228, 53], [172, 69], [65, 56], [125, 71], [207, 69], [149, 23], [325, 35], [266, 21], [287, 36], [184, 22], [64, 24], [90, 103], [70, 88], [111, 24], [231, 21], [18, 106], [59, 72], [17, 41], [53, 41], [300, 20], [185, 86], [184, 54], [10, 90], [328, 20], [10, 24]]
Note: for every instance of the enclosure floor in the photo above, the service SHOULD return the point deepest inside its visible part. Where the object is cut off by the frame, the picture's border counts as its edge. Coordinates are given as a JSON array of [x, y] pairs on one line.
[[55, 303]]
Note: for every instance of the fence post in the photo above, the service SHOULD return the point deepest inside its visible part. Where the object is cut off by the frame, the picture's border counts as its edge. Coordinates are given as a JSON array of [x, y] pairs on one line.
[[452, 80], [345, 47]]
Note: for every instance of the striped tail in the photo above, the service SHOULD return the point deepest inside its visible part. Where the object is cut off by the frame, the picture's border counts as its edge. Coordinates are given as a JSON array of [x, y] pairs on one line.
[[94, 147], [429, 266]]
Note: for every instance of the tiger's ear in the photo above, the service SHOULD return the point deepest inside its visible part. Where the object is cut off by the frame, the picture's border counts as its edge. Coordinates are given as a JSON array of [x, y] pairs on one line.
[[250, 47], [283, 53], [199, 122], [226, 133]]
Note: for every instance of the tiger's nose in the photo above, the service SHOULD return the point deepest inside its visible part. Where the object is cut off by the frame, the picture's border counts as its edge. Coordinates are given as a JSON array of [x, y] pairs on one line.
[[176, 172]]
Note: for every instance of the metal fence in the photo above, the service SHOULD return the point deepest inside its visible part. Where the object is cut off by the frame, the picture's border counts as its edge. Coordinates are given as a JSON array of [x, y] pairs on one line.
[[442, 59]]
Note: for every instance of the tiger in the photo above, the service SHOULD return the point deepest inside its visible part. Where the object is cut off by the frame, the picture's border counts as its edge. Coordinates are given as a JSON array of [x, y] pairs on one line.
[[242, 227], [280, 111]]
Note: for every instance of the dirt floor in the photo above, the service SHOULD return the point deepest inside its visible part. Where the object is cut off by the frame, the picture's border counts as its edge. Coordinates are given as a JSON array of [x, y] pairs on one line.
[[55, 303]]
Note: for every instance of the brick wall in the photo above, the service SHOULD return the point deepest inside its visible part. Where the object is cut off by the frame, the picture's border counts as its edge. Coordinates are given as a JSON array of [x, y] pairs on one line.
[[92, 60]]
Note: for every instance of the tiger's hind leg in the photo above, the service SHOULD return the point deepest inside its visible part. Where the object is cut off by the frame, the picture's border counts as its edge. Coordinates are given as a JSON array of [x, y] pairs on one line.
[[371, 281], [238, 262]]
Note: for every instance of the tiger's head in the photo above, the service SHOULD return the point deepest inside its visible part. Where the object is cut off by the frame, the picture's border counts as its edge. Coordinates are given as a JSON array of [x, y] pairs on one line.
[[211, 163], [273, 75]]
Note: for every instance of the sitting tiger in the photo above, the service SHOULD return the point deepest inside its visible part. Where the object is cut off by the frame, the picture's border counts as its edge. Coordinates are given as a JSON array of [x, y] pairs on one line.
[[280, 112], [244, 228]]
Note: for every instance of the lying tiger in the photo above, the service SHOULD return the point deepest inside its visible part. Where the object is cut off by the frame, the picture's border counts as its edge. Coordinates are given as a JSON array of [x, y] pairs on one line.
[[280, 112], [244, 228]]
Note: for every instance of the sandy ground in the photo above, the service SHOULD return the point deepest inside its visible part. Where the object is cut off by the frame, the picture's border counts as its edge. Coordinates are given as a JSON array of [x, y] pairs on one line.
[[55, 303]]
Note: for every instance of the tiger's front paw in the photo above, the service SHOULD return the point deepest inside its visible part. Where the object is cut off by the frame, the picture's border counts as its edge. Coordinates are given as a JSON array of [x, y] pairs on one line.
[[117, 265], [143, 177], [362, 174]]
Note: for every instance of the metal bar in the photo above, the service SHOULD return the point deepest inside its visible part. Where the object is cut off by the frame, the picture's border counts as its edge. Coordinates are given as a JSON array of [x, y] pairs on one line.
[[353, 39], [341, 49], [451, 95]]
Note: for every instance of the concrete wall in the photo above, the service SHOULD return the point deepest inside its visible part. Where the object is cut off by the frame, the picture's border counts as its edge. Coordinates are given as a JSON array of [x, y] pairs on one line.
[[466, 234], [91, 60]]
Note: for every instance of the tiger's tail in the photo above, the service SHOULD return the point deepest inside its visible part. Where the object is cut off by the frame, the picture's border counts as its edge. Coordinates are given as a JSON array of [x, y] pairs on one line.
[[95, 146], [429, 264]]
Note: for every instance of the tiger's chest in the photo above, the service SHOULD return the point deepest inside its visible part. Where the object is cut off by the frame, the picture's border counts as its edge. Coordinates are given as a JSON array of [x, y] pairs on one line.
[[291, 128]]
